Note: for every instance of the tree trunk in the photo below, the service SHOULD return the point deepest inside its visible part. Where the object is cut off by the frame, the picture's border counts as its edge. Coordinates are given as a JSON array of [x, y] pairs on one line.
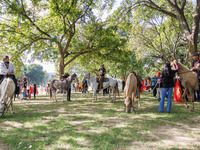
[[192, 46], [61, 66]]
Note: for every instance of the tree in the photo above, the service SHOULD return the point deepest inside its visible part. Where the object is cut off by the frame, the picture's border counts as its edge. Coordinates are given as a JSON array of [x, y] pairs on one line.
[[186, 12], [60, 30], [35, 73]]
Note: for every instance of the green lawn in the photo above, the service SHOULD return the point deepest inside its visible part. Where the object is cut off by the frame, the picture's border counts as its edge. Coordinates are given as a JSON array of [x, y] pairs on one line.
[[81, 124]]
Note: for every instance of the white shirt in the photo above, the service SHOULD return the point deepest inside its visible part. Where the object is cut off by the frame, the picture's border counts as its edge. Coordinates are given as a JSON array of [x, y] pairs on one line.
[[4, 70]]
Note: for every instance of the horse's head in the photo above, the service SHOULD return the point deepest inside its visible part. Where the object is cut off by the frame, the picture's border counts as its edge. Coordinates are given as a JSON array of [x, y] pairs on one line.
[[66, 75], [75, 77], [87, 76], [128, 104]]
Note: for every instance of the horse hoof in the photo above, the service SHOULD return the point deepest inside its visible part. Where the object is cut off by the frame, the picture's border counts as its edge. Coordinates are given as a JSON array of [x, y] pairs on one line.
[[12, 112], [191, 109], [187, 107]]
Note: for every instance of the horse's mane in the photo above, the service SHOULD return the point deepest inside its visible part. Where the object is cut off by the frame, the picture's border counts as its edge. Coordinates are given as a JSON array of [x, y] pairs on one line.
[[139, 78], [181, 66]]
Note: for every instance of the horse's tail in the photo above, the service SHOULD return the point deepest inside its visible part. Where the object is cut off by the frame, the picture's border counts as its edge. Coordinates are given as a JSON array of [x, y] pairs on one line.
[[50, 94], [50, 89], [117, 88]]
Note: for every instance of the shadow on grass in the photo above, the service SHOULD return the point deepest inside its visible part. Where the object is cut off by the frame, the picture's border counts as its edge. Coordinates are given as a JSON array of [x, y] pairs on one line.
[[82, 124]]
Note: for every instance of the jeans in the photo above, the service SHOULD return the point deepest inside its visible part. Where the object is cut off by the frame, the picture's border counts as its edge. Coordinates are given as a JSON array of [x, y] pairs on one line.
[[164, 91], [159, 93]]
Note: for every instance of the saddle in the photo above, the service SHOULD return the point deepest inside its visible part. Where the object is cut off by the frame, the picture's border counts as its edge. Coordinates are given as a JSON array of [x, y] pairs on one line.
[[104, 80]]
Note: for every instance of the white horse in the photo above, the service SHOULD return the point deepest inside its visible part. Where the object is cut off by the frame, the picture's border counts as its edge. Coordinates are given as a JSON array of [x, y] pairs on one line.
[[7, 89], [111, 83]]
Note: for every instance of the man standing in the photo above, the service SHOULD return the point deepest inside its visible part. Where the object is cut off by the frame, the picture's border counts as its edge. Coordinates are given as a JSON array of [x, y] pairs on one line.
[[153, 84], [102, 74], [7, 68], [196, 67], [159, 86]]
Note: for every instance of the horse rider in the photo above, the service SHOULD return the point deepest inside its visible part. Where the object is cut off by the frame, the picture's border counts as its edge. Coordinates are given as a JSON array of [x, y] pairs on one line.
[[7, 68], [102, 71], [196, 68]]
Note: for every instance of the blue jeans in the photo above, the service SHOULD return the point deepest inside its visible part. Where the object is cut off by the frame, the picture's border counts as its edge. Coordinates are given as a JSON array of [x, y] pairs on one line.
[[169, 103], [196, 96]]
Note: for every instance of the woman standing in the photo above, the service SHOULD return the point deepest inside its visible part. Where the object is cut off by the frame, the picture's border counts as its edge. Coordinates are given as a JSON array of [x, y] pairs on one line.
[[34, 90], [168, 84], [24, 88], [41, 89]]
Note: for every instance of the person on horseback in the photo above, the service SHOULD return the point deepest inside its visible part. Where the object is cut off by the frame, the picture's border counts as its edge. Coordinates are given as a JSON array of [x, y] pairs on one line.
[[102, 71], [7, 68], [196, 61], [196, 68]]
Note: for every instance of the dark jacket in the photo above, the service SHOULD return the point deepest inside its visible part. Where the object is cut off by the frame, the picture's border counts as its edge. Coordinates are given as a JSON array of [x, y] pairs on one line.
[[168, 80]]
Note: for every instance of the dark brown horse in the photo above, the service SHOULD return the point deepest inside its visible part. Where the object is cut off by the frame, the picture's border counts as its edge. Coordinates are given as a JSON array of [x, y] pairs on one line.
[[61, 85]]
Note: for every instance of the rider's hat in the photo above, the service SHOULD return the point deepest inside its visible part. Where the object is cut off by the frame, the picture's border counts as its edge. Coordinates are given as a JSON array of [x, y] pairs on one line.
[[102, 65], [195, 54]]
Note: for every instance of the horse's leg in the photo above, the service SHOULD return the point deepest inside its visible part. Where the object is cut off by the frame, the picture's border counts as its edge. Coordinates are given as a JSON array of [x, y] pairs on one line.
[[63, 95], [95, 96], [11, 105], [55, 96], [183, 97], [114, 94], [133, 96], [192, 99]]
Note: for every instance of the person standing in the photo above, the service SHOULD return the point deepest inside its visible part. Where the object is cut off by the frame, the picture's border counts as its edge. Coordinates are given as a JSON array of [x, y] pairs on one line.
[[153, 85], [159, 87], [24, 88], [123, 84], [34, 90], [41, 89], [168, 84], [196, 68], [69, 93], [28, 90]]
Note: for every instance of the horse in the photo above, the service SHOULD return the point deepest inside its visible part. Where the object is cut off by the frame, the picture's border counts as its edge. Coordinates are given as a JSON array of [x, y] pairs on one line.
[[61, 85], [139, 84], [7, 89], [189, 81], [111, 83], [130, 92]]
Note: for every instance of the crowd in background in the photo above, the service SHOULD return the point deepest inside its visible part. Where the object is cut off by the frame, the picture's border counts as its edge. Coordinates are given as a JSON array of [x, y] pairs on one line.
[[25, 89]]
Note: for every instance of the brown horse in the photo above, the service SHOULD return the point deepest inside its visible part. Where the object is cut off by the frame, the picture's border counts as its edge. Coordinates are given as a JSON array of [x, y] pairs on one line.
[[189, 82], [130, 92]]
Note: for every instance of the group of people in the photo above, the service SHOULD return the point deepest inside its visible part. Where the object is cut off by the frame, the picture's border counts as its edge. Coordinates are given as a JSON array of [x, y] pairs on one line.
[[80, 87], [26, 89]]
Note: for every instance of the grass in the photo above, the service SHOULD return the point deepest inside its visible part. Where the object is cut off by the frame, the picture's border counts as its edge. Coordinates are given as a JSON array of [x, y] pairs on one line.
[[81, 124]]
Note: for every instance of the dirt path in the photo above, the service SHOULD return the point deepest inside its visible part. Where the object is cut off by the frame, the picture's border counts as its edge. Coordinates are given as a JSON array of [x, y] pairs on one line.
[[169, 137]]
